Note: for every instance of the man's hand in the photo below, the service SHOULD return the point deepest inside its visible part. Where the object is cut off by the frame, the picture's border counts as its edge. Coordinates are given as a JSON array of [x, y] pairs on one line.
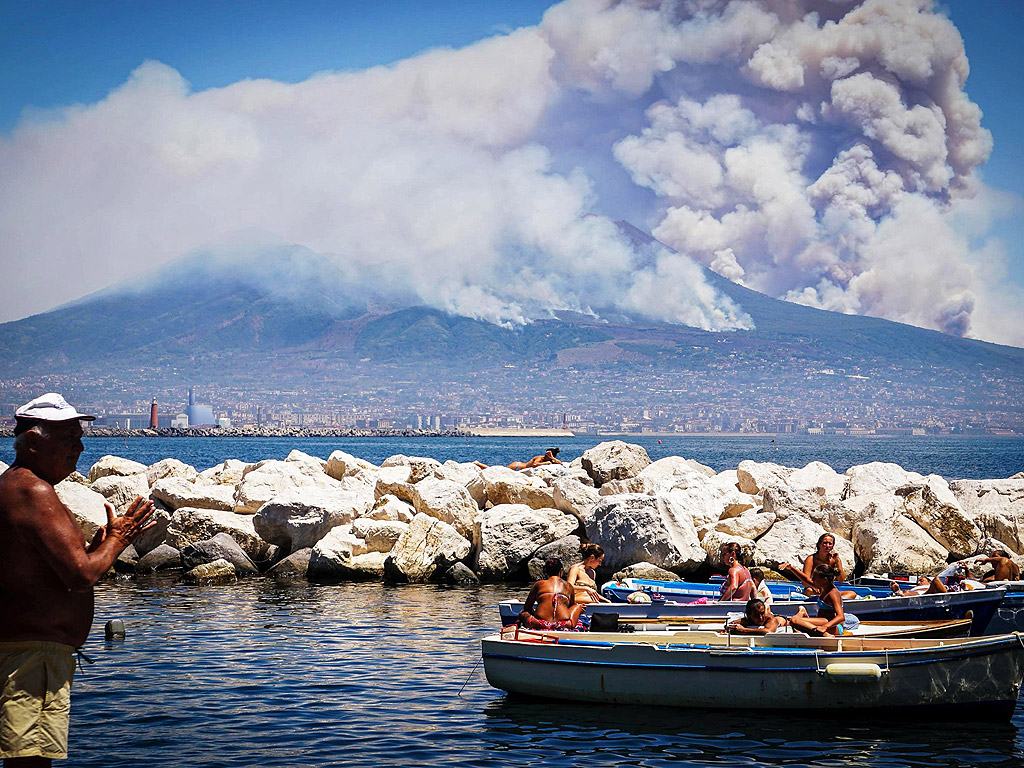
[[130, 525]]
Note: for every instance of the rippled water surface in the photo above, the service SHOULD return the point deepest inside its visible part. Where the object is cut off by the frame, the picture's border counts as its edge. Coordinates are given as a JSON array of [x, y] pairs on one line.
[[266, 674]]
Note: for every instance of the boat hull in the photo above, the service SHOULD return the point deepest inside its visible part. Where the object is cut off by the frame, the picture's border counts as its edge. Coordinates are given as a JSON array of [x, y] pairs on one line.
[[976, 679]]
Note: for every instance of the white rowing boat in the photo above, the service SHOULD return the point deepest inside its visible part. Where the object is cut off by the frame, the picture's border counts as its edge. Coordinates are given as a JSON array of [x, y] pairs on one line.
[[971, 678]]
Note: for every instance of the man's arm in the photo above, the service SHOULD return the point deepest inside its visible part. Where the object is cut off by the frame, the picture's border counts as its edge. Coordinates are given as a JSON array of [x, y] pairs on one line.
[[37, 511]]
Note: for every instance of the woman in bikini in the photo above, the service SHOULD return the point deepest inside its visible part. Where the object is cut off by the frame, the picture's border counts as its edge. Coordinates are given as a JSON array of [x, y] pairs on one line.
[[582, 575], [831, 617], [823, 555], [551, 603], [738, 583]]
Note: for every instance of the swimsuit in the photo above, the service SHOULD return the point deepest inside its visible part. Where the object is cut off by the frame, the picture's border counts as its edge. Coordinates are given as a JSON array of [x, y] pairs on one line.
[[741, 585], [826, 608], [558, 624]]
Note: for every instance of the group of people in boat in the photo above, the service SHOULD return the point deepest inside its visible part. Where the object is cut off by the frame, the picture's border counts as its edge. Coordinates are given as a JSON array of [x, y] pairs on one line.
[[558, 600]]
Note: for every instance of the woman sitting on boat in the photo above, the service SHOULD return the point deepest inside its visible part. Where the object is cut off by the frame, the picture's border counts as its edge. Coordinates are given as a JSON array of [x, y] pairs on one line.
[[582, 576], [823, 555], [738, 584], [831, 620], [551, 604], [757, 619]]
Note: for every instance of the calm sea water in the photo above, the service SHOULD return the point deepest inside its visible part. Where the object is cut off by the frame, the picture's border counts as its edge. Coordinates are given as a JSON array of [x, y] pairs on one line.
[[261, 674], [266, 674], [951, 457]]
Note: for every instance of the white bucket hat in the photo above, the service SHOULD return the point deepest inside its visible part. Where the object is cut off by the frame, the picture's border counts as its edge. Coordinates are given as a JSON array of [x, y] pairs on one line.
[[51, 407]]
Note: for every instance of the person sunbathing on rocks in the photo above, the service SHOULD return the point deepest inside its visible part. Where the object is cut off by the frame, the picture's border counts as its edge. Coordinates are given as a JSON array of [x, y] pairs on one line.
[[551, 604], [756, 619], [550, 456]]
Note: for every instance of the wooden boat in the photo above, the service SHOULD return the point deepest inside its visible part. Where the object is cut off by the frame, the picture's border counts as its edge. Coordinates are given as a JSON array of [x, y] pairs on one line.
[[962, 679], [982, 603]]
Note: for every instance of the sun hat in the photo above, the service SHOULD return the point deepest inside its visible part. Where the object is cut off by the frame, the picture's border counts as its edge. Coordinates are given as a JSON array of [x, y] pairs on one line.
[[50, 407]]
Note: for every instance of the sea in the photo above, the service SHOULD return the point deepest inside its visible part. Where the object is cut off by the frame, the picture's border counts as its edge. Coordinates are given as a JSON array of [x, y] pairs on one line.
[[273, 674]]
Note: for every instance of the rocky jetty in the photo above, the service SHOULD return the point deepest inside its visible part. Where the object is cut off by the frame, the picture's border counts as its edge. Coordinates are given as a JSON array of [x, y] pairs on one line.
[[415, 519]]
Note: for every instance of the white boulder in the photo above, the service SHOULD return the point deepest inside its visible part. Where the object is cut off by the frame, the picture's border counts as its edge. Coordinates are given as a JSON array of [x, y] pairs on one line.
[[340, 465], [121, 490], [754, 477], [175, 492], [378, 535], [268, 479], [507, 486], [228, 472], [190, 525], [876, 478], [391, 508], [819, 478], [636, 528], [448, 501], [170, 468], [299, 517], [419, 466], [427, 548], [115, 465], [85, 505], [614, 460], [507, 534]]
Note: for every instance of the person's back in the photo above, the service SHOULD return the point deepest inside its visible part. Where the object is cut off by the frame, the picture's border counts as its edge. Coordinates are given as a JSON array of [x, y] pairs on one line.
[[551, 603]]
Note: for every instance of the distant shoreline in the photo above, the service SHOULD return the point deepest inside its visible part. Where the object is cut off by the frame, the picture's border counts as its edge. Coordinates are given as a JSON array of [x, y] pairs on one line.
[[540, 432]]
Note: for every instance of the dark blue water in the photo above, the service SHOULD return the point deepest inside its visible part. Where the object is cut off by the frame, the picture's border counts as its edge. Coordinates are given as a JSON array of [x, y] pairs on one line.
[[951, 457], [261, 674]]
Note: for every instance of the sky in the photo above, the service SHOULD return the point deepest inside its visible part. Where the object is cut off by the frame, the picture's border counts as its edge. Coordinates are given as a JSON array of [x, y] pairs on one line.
[[474, 155]]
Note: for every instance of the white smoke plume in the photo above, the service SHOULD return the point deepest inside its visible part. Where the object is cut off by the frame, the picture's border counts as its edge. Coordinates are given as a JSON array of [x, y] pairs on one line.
[[823, 152]]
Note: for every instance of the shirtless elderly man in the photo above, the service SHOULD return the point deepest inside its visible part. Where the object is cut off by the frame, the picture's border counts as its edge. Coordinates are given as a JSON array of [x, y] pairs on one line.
[[47, 574]]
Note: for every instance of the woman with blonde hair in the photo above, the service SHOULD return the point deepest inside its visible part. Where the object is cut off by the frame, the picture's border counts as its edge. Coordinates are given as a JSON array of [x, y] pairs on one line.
[[582, 576]]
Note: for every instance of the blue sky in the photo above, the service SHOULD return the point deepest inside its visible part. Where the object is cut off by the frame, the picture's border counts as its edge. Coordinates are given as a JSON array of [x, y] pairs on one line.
[[60, 53]]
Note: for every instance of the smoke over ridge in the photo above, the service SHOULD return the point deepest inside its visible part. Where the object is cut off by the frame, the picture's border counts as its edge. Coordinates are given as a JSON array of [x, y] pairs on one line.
[[822, 151]]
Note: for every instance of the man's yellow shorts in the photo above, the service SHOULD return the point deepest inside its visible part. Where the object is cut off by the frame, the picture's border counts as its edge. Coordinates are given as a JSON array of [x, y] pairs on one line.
[[35, 699]]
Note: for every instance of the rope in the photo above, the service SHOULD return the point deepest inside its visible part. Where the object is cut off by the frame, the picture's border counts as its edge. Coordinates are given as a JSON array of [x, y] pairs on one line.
[[472, 672]]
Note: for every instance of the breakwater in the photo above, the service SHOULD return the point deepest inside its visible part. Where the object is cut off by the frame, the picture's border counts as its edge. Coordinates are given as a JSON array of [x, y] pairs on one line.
[[416, 518]]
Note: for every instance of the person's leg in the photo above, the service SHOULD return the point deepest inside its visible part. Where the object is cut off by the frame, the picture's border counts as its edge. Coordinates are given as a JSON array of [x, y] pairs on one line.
[[480, 464], [575, 612], [936, 586]]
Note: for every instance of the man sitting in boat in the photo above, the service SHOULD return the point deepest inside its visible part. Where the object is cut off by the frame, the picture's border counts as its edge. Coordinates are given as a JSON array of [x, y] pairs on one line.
[[551, 604], [831, 620], [756, 619], [1003, 568]]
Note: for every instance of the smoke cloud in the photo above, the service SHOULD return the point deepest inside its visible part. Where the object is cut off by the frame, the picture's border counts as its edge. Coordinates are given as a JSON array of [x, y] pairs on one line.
[[819, 151]]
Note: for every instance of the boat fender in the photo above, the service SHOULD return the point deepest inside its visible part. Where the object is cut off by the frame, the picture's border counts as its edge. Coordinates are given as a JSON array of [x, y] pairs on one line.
[[853, 673]]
